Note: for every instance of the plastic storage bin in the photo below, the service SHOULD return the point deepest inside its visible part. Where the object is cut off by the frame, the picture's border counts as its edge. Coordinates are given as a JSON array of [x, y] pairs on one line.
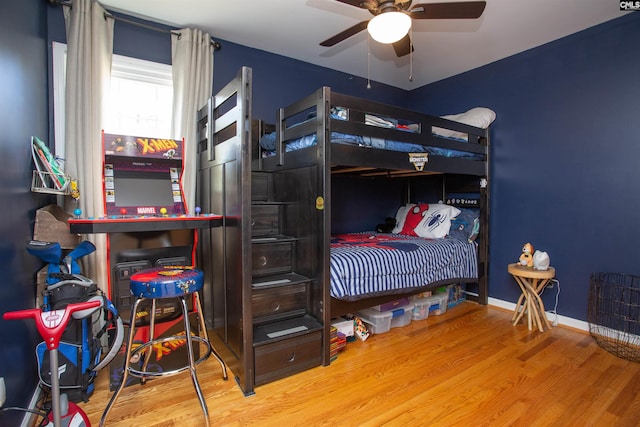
[[420, 308], [435, 305], [401, 316], [379, 322], [389, 306], [439, 304]]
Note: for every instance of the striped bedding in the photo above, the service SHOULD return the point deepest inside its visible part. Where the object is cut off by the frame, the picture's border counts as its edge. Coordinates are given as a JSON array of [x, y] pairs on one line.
[[371, 264]]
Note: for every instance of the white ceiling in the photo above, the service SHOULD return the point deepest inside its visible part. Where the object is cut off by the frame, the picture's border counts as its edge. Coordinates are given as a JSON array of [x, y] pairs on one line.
[[443, 48]]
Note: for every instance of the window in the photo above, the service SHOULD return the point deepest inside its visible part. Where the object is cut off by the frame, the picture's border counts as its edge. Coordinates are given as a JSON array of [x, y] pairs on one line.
[[140, 98]]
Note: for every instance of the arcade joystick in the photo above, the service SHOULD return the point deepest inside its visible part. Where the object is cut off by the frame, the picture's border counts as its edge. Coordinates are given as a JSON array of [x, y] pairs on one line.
[[123, 212], [163, 211], [198, 210], [77, 212]]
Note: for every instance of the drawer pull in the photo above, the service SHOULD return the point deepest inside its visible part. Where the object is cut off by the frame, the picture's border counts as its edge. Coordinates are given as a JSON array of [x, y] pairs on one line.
[[253, 221], [262, 261], [292, 357], [275, 306]]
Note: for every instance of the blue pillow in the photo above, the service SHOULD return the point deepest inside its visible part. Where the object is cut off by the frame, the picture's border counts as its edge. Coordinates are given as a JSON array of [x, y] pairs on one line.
[[465, 225]]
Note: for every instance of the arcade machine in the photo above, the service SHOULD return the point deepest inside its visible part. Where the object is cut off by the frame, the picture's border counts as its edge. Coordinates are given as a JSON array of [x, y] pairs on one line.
[[146, 219]]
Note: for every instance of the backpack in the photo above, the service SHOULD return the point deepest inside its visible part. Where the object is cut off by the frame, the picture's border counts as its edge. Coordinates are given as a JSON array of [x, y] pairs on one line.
[[81, 346]]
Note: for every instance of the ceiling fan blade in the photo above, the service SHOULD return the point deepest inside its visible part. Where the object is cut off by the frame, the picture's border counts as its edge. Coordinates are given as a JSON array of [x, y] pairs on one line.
[[403, 46], [362, 4], [455, 10], [345, 34]]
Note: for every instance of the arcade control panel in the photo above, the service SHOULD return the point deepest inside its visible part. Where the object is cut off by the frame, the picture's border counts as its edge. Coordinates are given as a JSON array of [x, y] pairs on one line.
[[141, 242], [128, 223]]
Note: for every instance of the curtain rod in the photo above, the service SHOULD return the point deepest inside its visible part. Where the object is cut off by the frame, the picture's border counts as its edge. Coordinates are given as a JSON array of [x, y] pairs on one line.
[[216, 45]]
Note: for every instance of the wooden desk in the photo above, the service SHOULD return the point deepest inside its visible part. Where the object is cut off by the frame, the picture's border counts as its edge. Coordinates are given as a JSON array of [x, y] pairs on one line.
[[531, 283]]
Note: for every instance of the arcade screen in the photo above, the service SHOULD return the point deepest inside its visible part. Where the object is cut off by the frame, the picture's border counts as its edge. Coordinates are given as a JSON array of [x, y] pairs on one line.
[[138, 188]]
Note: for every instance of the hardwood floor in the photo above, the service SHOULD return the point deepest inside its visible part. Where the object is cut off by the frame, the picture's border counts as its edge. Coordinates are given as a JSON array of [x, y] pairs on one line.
[[468, 367]]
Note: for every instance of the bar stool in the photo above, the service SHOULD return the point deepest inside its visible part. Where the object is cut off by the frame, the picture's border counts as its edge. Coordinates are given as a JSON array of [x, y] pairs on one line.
[[157, 283]]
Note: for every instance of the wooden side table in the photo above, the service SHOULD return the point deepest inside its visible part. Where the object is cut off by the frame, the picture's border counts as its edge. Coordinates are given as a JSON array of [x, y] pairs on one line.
[[531, 283]]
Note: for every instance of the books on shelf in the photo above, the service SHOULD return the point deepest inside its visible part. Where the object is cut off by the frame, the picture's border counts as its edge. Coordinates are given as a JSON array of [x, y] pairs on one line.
[[47, 165]]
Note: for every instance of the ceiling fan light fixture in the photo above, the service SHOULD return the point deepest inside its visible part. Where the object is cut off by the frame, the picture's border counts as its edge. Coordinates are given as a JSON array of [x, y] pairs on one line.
[[389, 27]]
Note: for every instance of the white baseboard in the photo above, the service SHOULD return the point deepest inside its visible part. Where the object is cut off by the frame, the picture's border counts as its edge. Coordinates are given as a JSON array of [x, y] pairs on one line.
[[562, 320]]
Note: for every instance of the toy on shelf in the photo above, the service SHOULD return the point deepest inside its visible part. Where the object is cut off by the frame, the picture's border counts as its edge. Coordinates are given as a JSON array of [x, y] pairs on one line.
[[48, 176], [526, 257], [74, 191]]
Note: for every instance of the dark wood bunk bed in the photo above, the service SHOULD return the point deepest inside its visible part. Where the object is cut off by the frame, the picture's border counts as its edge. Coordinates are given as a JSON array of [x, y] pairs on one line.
[[267, 282], [467, 174]]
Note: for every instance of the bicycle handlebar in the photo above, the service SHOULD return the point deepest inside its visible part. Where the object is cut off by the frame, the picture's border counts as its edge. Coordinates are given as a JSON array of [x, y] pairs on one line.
[[51, 324]]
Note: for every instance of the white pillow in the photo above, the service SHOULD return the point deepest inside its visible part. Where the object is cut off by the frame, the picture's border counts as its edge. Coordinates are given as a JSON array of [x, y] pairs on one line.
[[479, 117], [401, 216], [436, 221]]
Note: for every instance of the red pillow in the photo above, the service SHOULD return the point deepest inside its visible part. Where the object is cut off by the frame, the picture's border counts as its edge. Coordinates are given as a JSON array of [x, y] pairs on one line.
[[414, 216]]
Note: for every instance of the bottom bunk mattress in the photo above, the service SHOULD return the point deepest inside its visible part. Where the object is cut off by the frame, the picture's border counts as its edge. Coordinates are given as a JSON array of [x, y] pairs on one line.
[[364, 265]]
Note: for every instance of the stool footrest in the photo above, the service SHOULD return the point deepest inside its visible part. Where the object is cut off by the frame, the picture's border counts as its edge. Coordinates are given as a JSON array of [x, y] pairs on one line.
[[146, 374]]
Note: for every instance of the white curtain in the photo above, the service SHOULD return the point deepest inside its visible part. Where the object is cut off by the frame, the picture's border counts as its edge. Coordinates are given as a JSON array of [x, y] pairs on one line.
[[192, 64], [88, 74]]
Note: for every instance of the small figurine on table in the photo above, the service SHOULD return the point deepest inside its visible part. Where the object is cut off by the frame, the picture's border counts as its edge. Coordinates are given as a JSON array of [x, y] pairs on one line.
[[541, 260], [526, 258]]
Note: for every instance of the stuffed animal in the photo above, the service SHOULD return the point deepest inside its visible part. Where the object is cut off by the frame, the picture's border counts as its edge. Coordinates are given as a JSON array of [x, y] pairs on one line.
[[388, 226], [526, 258]]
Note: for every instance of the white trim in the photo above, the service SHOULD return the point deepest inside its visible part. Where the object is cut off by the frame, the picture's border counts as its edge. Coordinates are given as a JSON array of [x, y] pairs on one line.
[[141, 70], [59, 59], [562, 320]]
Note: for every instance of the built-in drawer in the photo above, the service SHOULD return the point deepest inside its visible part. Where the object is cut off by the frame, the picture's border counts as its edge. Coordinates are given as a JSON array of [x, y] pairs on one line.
[[259, 186], [270, 256], [275, 303], [264, 220], [283, 358]]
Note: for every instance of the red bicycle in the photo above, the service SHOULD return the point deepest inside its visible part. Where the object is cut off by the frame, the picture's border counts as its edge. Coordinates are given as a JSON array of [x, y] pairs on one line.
[[51, 325]]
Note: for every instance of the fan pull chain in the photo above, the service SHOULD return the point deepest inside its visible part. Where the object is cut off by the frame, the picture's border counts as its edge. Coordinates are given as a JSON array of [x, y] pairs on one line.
[[368, 61], [411, 54]]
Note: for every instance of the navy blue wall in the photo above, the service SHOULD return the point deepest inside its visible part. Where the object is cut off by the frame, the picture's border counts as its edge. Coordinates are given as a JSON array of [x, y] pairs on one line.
[[564, 155], [359, 204], [23, 86]]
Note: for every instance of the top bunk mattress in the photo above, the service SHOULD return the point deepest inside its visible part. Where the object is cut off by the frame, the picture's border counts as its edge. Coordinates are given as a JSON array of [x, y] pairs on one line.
[[268, 145], [479, 116]]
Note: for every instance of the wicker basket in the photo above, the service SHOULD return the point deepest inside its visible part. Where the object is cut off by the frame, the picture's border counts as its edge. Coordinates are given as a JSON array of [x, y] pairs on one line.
[[614, 313]]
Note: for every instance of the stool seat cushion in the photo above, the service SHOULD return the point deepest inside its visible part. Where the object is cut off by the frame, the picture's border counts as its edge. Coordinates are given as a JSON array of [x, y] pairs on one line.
[[166, 282]]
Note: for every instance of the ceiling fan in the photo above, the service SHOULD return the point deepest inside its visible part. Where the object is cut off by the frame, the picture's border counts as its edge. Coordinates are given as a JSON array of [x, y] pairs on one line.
[[392, 19]]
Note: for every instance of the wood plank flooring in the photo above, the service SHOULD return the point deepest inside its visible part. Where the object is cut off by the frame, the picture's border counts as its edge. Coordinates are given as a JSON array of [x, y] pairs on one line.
[[467, 367]]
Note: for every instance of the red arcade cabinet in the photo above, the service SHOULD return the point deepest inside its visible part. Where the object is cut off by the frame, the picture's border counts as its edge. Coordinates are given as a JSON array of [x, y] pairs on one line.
[[146, 221]]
